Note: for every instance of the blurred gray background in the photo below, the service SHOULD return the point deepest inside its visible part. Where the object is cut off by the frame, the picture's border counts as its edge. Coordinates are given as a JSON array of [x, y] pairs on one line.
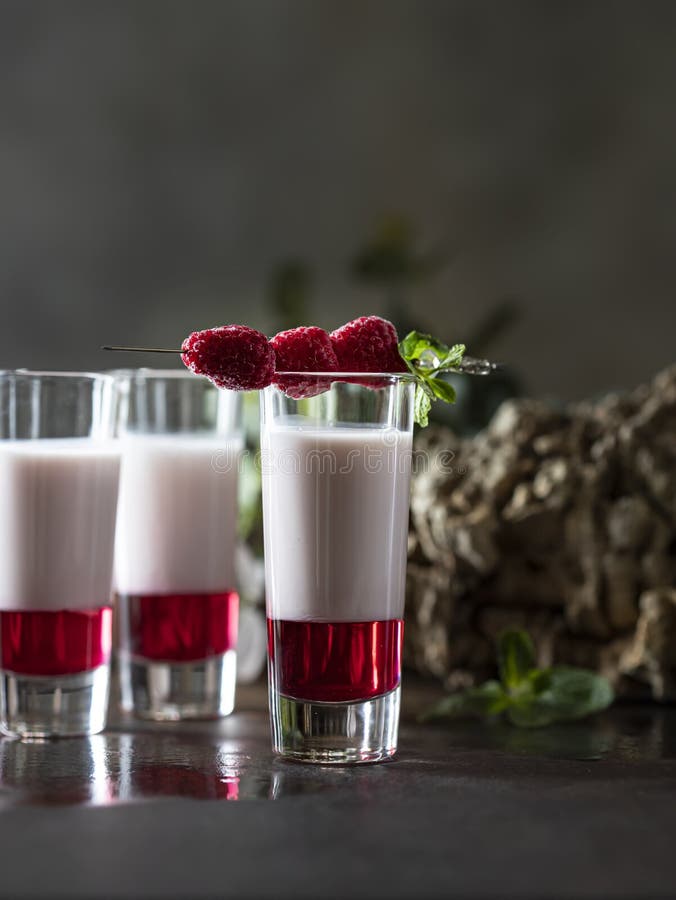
[[157, 159]]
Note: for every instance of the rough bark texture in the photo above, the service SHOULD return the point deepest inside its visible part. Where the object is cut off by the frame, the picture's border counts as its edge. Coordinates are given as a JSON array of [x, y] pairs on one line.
[[561, 521]]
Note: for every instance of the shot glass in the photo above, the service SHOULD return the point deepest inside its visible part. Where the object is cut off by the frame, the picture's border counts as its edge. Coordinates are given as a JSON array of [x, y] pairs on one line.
[[336, 475], [176, 597], [59, 472]]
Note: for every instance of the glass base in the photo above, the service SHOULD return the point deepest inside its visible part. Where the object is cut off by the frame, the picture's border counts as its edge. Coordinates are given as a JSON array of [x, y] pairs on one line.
[[171, 691], [46, 706], [335, 733]]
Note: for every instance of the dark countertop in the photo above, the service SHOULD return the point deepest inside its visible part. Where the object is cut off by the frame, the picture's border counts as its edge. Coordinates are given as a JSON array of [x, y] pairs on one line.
[[581, 810]]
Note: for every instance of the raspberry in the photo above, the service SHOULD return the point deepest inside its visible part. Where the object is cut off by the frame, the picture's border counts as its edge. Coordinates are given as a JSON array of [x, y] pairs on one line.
[[368, 344], [303, 350], [233, 356]]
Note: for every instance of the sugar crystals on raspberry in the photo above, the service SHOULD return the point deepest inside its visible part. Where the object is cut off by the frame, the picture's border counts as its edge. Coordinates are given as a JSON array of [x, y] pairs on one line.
[[368, 344], [306, 349], [232, 356]]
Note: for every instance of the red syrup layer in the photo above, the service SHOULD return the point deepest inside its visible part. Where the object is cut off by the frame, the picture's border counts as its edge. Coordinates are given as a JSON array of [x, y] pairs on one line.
[[335, 662], [178, 627], [63, 642]]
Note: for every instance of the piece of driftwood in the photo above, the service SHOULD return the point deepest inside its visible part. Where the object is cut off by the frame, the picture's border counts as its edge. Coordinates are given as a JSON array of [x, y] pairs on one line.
[[560, 521]]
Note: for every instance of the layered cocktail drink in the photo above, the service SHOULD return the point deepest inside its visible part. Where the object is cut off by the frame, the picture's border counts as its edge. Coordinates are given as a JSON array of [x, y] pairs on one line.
[[174, 561], [337, 414], [59, 471], [336, 473]]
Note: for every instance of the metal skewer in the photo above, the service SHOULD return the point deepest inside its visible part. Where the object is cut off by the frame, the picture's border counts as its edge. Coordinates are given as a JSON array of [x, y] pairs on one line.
[[469, 365], [142, 349]]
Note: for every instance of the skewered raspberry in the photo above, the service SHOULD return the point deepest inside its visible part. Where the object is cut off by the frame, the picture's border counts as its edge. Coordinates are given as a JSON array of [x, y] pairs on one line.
[[232, 356], [306, 349], [368, 344]]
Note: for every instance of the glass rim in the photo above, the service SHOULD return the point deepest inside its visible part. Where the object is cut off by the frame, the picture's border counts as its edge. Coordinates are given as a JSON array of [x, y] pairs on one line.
[[338, 376], [55, 374]]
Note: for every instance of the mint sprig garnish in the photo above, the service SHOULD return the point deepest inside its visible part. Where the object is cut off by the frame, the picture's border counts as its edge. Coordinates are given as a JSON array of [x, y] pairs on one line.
[[427, 357], [530, 697]]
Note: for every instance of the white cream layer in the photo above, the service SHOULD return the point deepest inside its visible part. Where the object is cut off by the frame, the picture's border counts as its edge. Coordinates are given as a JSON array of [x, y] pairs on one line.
[[335, 504], [177, 520], [57, 523]]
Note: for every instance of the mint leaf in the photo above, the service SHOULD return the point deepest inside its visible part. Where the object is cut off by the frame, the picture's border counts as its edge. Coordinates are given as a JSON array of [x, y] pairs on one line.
[[434, 354], [539, 680], [426, 357], [488, 699], [422, 404], [413, 345], [579, 690], [442, 389], [516, 658], [572, 693], [530, 697], [416, 345], [530, 715], [454, 357]]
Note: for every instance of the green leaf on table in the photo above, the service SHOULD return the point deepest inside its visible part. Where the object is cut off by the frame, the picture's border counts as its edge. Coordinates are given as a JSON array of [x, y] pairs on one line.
[[572, 693], [488, 699], [530, 697], [539, 680], [516, 658]]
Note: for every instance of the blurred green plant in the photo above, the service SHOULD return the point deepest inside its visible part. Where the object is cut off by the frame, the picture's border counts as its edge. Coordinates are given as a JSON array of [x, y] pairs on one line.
[[392, 261], [529, 697], [391, 258], [290, 293]]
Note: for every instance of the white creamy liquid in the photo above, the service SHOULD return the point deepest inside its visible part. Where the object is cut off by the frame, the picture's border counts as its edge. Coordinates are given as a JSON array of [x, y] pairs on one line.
[[57, 523], [177, 520], [335, 503]]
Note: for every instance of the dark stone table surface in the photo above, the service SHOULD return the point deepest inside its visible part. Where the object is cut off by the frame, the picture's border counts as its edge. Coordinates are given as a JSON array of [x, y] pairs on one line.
[[204, 810]]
